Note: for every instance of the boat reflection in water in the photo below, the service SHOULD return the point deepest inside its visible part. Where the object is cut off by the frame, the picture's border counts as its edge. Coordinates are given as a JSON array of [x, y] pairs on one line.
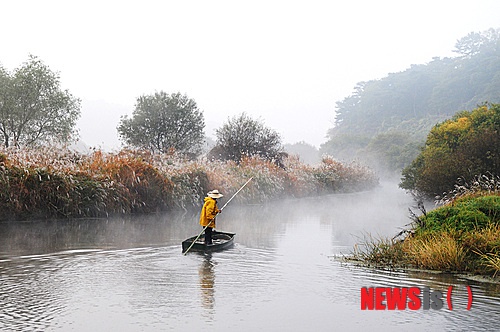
[[206, 273]]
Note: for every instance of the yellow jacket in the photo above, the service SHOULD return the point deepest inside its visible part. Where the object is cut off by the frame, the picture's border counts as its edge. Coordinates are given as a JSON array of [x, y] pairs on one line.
[[208, 212]]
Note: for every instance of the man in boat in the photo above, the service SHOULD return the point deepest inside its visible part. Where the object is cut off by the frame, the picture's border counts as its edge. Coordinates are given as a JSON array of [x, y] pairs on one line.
[[208, 213]]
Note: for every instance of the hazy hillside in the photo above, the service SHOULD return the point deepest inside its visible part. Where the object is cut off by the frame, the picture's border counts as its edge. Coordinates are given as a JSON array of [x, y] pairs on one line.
[[384, 121]]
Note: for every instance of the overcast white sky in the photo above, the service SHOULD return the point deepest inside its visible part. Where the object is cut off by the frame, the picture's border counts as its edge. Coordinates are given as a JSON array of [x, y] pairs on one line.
[[284, 62]]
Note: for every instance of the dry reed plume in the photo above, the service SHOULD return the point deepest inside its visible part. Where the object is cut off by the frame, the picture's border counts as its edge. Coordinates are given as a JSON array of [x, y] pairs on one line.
[[56, 182]]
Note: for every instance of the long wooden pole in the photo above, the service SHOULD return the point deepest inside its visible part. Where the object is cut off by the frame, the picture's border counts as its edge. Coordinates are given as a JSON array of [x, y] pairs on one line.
[[236, 193]]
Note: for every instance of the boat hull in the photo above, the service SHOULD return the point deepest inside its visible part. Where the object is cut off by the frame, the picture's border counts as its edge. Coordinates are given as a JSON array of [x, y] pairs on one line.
[[220, 241]]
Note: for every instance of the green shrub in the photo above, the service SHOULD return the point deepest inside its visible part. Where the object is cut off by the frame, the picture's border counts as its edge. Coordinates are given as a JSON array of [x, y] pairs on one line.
[[459, 148], [465, 214]]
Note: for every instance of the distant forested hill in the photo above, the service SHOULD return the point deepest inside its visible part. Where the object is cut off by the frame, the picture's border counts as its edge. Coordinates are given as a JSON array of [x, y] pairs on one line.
[[384, 122]]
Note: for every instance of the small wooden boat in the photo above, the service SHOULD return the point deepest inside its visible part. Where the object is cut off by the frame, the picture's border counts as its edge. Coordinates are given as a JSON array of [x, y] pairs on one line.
[[220, 241]]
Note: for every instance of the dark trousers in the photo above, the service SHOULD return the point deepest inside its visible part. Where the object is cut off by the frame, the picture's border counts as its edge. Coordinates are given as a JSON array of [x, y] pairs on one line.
[[208, 235]]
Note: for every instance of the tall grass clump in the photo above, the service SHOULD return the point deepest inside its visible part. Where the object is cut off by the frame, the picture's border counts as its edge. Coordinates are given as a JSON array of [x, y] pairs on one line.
[[484, 248], [484, 184], [60, 183], [32, 187], [385, 252], [332, 175], [300, 178], [439, 251], [268, 179], [136, 185], [461, 235]]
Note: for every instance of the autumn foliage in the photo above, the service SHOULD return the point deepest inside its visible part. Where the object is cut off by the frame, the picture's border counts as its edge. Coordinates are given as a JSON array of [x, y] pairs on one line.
[[60, 183], [458, 149]]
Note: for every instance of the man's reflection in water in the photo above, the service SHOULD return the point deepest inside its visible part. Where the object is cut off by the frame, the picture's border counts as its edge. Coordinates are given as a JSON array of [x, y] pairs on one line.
[[207, 279]]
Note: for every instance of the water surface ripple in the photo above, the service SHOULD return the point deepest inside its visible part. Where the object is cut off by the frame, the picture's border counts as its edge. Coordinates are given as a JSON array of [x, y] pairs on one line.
[[281, 275]]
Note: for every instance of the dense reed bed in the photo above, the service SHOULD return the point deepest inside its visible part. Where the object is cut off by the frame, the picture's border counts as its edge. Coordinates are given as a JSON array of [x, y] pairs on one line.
[[61, 183]]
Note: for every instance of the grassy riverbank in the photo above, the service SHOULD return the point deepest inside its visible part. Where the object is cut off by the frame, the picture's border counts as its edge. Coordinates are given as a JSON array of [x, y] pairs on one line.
[[59, 183], [461, 236]]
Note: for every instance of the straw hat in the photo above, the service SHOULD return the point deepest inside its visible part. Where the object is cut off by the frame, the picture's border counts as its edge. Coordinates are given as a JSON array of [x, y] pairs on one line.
[[215, 194]]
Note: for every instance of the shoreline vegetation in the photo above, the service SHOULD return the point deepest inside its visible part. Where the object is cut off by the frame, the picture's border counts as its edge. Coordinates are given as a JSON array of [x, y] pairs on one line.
[[53, 182], [462, 235]]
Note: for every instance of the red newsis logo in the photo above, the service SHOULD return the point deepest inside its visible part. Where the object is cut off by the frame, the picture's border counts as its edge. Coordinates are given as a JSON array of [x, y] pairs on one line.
[[402, 298]]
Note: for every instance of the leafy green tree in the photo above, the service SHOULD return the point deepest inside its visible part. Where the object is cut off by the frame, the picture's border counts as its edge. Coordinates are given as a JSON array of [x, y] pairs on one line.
[[33, 108], [463, 147], [162, 122], [243, 136]]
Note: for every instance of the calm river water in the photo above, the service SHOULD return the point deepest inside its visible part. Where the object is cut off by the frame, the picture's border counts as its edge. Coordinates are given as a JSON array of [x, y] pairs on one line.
[[281, 275]]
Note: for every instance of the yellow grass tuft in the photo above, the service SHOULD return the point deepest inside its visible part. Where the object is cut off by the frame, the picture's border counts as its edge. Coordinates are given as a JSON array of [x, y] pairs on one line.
[[435, 252]]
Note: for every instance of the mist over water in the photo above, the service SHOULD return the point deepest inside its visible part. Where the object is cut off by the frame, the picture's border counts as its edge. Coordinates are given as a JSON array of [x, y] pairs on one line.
[[129, 274]]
